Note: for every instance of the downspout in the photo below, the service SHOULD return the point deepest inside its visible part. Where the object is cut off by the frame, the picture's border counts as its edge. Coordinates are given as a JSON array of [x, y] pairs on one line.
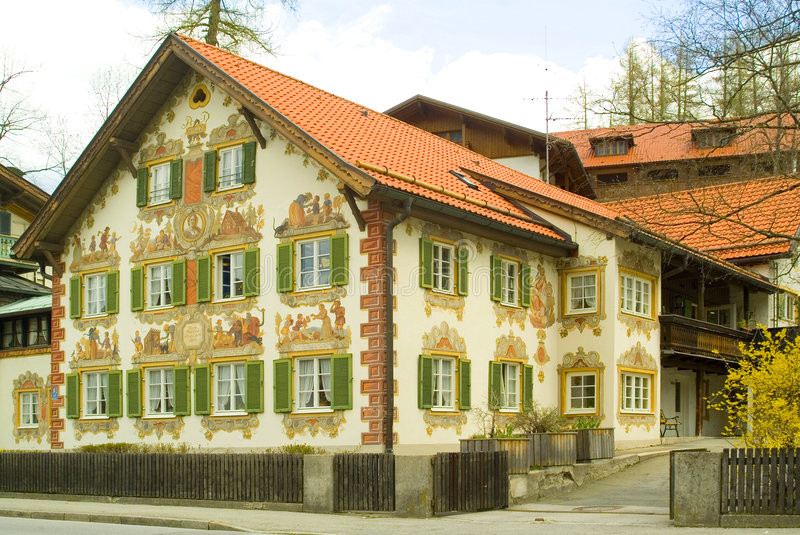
[[389, 330]]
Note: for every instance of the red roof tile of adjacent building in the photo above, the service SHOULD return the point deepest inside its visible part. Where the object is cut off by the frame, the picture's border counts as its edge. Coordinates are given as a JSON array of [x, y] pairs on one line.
[[668, 142], [358, 134], [732, 221]]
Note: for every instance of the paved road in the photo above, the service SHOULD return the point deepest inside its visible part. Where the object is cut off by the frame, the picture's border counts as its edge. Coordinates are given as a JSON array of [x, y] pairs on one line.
[[32, 526]]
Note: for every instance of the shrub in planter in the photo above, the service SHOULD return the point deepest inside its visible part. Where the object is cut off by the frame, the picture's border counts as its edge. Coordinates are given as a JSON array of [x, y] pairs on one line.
[[548, 445]]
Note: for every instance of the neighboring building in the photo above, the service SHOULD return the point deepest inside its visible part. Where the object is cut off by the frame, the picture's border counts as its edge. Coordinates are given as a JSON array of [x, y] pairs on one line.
[[647, 159], [220, 263], [514, 146]]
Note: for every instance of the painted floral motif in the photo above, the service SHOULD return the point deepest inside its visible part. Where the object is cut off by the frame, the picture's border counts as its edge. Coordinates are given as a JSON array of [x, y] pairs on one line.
[[150, 426], [543, 301], [323, 325], [513, 315], [298, 424], [540, 356], [245, 424]]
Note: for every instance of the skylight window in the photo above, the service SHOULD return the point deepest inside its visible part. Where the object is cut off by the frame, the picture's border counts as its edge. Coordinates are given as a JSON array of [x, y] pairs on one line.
[[463, 178]]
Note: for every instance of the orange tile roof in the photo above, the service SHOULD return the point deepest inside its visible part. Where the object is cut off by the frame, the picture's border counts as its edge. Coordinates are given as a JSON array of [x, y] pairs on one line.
[[666, 142], [359, 134], [731, 221]]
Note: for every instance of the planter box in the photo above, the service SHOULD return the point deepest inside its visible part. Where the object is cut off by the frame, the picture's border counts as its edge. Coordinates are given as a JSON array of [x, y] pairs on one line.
[[517, 448], [595, 443], [553, 449]]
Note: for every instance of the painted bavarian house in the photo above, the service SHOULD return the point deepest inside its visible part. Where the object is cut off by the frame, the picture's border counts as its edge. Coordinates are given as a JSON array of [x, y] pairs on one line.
[[222, 277]]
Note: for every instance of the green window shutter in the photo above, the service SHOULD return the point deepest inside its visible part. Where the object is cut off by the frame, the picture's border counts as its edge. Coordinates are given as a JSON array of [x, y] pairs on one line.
[[133, 384], [75, 297], [282, 385], [425, 385], [463, 271], [254, 386], [73, 396], [495, 384], [464, 384], [178, 289], [525, 285], [203, 279], [176, 179], [285, 267], [340, 259], [114, 406], [137, 288], [210, 170], [181, 393], [249, 162], [527, 387], [112, 292], [497, 278], [252, 272], [141, 187], [425, 263], [342, 381], [202, 389]]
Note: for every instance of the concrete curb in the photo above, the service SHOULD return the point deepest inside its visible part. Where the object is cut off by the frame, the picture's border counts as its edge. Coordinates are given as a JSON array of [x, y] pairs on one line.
[[131, 520]]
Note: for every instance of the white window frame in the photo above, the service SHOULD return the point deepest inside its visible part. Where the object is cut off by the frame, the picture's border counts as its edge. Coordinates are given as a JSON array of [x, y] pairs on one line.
[[786, 306], [319, 271], [236, 267], [160, 389], [159, 186], [95, 395], [232, 176], [636, 295], [583, 297], [95, 295], [28, 409], [637, 389], [156, 273], [443, 266], [443, 382], [510, 375], [320, 399], [568, 397], [509, 282], [234, 384]]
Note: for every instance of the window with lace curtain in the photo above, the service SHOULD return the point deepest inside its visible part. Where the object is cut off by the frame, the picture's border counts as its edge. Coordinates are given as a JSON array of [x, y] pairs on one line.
[[230, 387], [313, 383], [160, 392]]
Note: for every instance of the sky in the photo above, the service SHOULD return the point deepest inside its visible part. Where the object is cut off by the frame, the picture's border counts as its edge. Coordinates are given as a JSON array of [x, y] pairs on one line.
[[497, 58]]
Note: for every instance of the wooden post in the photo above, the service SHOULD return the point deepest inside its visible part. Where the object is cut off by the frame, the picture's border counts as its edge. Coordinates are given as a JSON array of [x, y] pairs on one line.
[[701, 297], [698, 426]]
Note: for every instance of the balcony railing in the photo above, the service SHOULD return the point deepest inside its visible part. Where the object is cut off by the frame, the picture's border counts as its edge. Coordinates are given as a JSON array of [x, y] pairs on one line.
[[695, 337], [6, 243]]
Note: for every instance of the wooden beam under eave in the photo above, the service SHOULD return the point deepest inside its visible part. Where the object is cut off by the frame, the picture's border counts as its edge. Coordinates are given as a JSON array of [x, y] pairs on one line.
[[251, 120], [351, 201], [53, 262], [125, 148]]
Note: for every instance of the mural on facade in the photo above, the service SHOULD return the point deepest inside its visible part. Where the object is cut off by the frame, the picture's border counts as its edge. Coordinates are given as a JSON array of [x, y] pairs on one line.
[[444, 338], [310, 212], [101, 250], [94, 346], [543, 302], [322, 325], [239, 331], [31, 382], [147, 243], [592, 320], [156, 341], [637, 358], [230, 225], [540, 356], [640, 262]]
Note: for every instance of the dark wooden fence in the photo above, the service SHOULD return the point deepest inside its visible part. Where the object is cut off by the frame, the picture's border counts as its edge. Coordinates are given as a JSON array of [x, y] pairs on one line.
[[363, 481], [468, 482], [761, 481], [517, 448], [251, 477], [595, 443], [553, 449]]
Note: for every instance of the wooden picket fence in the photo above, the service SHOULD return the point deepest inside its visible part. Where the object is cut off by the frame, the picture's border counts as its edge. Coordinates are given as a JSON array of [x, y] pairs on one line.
[[517, 448], [363, 481], [553, 449], [469, 482], [760, 481], [252, 477]]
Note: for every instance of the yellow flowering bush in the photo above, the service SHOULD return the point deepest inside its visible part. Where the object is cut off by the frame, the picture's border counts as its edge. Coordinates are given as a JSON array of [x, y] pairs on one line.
[[762, 396]]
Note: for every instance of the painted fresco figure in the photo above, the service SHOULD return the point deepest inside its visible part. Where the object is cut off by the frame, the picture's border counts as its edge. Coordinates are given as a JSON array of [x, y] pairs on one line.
[[297, 211], [338, 312], [252, 329], [326, 331], [138, 346]]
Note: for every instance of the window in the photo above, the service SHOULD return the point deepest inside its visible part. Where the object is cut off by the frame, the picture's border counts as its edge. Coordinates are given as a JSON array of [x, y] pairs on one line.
[[29, 331], [95, 294], [636, 295], [714, 170], [159, 284], [160, 391], [95, 393], [509, 281], [786, 306], [313, 383], [509, 394], [611, 147], [582, 297], [230, 167], [724, 315], [159, 183], [714, 137], [314, 263], [612, 178], [230, 385], [230, 276], [636, 392], [663, 174], [28, 409], [452, 135], [581, 392], [443, 382], [443, 267]]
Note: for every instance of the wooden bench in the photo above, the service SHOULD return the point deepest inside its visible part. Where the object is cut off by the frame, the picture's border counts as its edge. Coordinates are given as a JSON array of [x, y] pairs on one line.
[[668, 424]]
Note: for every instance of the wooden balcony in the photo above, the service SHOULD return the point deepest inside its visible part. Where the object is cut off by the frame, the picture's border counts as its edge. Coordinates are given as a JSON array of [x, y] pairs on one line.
[[695, 337], [6, 243]]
